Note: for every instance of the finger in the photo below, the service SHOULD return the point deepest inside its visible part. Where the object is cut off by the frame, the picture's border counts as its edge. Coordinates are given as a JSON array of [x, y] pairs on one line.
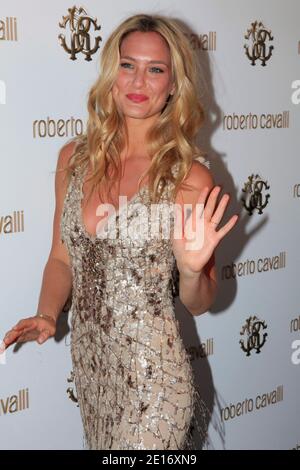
[[29, 331], [219, 212], [15, 333], [25, 323], [203, 195], [194, 225], [178, 221], [227, 227], [2, 347], [45, 334], [29, 335], [11, 337], [187, 216], [194, 228], [211, 202], [197, 209]]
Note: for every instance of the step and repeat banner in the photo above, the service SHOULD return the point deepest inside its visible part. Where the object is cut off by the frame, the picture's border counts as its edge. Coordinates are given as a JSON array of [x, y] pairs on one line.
[[245, 351]]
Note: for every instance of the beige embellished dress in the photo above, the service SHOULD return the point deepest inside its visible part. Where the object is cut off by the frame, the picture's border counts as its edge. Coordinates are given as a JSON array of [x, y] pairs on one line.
[[133, 377]]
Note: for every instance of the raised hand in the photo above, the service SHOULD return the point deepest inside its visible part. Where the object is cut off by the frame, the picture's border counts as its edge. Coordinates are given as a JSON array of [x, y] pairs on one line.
[[193, 254]]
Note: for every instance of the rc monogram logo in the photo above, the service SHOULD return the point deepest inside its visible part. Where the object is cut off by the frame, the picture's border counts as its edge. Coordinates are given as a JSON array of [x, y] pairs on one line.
[[258, 49], [79, 27], [70, 390], [255, 338], [254, 198]]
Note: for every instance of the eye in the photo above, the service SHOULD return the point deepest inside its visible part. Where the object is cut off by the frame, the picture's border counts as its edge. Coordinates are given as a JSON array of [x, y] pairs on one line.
[[156, 70], [126, 65]]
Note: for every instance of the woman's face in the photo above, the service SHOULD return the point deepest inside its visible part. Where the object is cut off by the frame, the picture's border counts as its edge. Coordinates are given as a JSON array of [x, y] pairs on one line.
[[144, 80]]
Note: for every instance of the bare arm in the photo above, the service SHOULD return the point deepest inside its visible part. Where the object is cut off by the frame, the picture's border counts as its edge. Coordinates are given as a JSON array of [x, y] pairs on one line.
[[57, 276], [56, 287]]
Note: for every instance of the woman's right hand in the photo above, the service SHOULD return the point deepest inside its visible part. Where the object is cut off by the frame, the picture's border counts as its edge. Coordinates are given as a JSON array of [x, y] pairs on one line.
[[30, 329]]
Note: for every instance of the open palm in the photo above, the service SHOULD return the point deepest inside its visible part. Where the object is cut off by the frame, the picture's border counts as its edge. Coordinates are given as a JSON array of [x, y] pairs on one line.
[[194, 244]]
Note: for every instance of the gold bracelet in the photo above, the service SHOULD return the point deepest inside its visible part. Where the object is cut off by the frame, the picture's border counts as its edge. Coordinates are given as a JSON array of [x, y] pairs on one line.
[[43, 315]]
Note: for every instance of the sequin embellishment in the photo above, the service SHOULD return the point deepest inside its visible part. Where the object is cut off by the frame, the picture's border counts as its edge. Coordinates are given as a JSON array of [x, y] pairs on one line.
[[133, 377]]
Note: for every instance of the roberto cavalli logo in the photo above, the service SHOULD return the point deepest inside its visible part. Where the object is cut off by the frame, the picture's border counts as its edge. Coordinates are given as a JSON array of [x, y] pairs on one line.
[[70, 390], [254, 336], [79, 26], [258, 49], [255, 197]]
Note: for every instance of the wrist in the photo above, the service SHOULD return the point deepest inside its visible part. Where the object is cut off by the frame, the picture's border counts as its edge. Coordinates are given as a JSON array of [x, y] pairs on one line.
[[190, 276], [46, 316]]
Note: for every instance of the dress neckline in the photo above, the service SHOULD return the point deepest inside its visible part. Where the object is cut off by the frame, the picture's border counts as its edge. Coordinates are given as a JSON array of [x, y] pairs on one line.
[[116, 213]]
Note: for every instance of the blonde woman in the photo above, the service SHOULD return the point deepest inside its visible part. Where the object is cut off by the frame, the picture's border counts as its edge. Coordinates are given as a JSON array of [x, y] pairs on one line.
[[133, 377]]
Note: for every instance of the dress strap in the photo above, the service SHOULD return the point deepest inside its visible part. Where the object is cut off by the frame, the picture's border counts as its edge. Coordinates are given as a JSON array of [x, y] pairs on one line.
[[200, 159], [204, 161]]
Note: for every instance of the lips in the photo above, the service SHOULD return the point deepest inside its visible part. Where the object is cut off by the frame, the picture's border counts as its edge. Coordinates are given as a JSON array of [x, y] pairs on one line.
[[137, 98]]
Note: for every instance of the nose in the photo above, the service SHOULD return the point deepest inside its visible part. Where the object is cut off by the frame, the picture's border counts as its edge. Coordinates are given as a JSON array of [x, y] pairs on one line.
[[139, 77]]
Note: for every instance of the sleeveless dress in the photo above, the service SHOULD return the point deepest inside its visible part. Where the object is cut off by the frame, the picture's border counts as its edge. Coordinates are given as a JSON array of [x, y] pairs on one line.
[[133, 377]]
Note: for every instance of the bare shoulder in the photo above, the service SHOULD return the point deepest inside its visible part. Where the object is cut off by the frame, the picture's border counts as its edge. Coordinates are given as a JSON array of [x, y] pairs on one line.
[[58, 249], [65, 154], [198, 177]]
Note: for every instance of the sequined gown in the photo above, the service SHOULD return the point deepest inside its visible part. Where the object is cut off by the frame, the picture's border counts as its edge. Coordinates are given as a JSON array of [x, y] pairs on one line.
[[133, 377]]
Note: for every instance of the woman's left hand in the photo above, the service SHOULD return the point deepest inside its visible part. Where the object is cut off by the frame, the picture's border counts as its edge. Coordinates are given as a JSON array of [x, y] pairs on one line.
[[194, 245]]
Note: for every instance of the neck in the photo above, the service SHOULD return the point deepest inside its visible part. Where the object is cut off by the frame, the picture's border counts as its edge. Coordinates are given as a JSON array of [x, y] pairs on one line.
[[137, 131]]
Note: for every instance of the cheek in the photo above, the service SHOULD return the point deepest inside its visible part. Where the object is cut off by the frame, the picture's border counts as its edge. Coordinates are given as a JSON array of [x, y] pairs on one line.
[[117, 86], [121, 81], [162, 87]]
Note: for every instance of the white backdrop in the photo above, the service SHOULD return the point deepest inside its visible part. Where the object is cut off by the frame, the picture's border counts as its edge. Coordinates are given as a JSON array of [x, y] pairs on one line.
[[253, 394]]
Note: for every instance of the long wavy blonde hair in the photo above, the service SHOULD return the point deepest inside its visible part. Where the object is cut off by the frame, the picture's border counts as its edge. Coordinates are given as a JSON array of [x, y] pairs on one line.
[[170, 140]]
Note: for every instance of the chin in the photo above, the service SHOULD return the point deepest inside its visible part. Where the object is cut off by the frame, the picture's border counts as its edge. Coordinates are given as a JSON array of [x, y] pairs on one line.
[[135, 115]]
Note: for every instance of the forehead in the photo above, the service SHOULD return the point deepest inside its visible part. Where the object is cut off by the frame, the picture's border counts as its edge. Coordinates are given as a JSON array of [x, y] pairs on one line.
[[149, 45]]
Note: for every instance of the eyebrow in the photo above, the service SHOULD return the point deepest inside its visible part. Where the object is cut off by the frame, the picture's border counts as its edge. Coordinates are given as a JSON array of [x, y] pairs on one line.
[[150, 61]]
